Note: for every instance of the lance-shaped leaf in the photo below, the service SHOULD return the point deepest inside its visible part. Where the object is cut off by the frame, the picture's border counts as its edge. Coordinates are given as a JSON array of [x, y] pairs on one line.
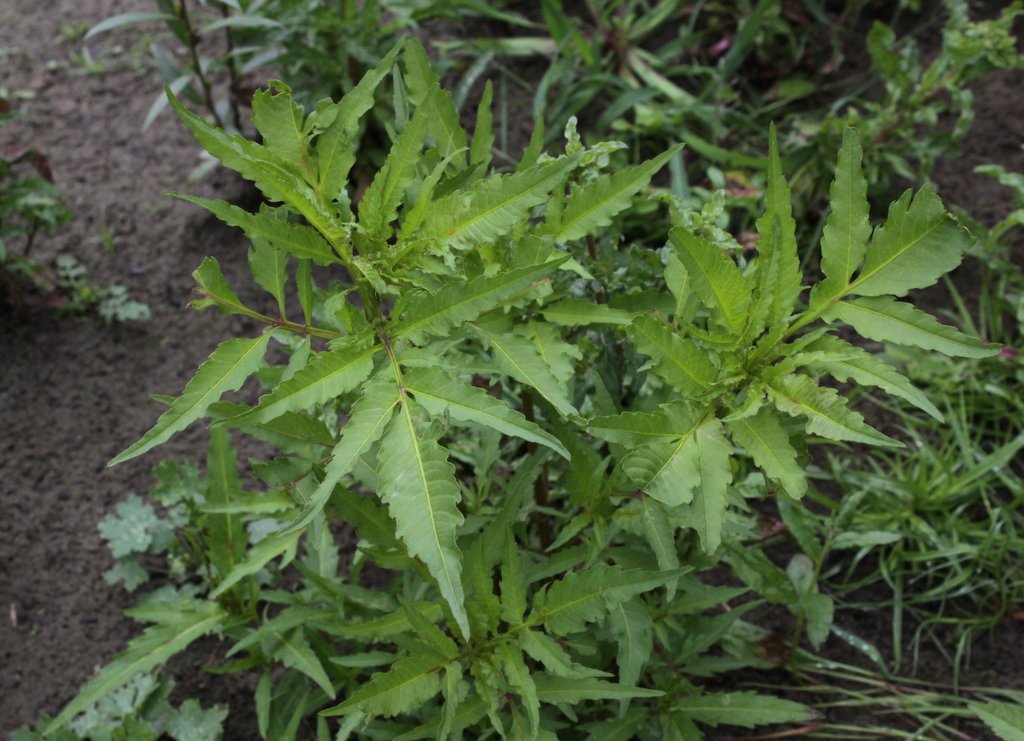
[[438, 392], [685, 366], [768, 444], [369, 418], [335, 147], [559, 355], [456, 303], [326, 376], [887, 320], [269, 268], [778, 226], [295, 652], [379, 204], [215, 290], [256, 558], [576, 312], [279, 120], [745, 709], [558, 690], [184, 625], [919, 243], [545, 649], [593, 205], [670, 471], [492, 206], [582, 597], [826, 411], [1005, 719], [295, 239], [519, 358], [868, 370], [846, 233], [675, 420], [714, 474], [483, 134], [410, 683], [659, 532], [470, 711], [417, 482], [518, 677], [715, 278], [632, 627], [226, 370]]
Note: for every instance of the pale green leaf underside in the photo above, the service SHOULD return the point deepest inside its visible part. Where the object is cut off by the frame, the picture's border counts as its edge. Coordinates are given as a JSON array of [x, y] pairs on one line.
[[226, 370], [886, 320], [439, 392], [417, 482], [826, 411]]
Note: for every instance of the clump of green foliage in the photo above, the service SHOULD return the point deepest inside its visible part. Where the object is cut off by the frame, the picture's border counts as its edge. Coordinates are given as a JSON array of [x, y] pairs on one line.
[[544, 465]]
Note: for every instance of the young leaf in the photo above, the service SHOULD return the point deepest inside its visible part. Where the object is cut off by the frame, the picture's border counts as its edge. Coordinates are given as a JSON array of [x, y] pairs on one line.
[[715, 278], [545, 649], [825, 410], [887, 320], [256, 558], [492, 206], [582, 597], [295, 239], [778, 226], [592, 206], [768, 444], [370, 416], [868, 370], [456, 303], [215, 288], [519, 358], [710, 496], [148, 651], [440, 392], [279, 120], [326, 376], [410, 683], [335, 147], [227, 368], [744, 709], [513, 583], [294, 652], [676, 359], [846, 233], [379, 205], [417, 482], [483, 134], [918, 244], [632, 627]]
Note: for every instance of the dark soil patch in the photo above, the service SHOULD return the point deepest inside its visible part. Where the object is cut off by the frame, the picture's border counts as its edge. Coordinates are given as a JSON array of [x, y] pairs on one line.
[[74, 392]]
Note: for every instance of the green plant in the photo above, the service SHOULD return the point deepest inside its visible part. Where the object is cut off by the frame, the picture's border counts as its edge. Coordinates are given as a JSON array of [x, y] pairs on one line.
[[138, 711], [543, 501]]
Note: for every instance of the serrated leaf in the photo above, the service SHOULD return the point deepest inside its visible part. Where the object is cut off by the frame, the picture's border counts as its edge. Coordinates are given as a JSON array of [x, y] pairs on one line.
[[327, 375], [675, 420], [557, 690], [439, 392], [576, 312], [294, 652], [335, 147], [778, 226], [545, 649], [269, 268], [292, 431], [513, 583], [215, 289], [1005, 719], [256, 558], [192, 723], [417, 482], [632, 628], [470, 711], [430, 633], [559, 355], [592, 206], [519, 358], [710, 496], [483, 134], [295, 239], [744, 709], [826, 411], [279, 120], [676, 359], [492, 207], [919, 243], [660, 535], [226, 370], [768, 444], [715, 278], [379, 204], [370, 416], [519, 678], [157, 644], [887, 320], [845, 236], [457, 303], [410, 683], [582, 597], [868, 370]]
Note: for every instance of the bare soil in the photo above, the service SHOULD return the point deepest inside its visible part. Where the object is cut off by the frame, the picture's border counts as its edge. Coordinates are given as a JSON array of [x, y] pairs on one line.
[[74, 392]]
